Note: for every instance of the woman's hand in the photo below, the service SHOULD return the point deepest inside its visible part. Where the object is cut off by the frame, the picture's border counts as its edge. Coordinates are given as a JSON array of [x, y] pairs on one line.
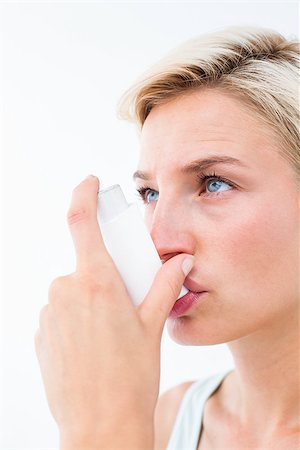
[[99, 355]]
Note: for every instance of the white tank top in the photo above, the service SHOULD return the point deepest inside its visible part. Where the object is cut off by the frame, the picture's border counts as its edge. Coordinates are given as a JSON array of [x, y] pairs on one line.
[[188, 424]]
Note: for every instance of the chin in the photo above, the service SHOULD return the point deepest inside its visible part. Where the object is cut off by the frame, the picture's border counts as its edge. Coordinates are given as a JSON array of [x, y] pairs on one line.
[[181, 332], [184, 331]]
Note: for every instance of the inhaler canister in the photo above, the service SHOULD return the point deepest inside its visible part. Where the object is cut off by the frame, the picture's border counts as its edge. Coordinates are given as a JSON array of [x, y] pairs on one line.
[[129, 243]]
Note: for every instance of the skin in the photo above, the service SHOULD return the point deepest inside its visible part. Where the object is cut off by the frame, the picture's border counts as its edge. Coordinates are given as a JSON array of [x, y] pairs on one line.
[[245, 242]]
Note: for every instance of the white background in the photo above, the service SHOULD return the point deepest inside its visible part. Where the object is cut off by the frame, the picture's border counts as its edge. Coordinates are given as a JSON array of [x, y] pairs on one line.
[[65, 65]]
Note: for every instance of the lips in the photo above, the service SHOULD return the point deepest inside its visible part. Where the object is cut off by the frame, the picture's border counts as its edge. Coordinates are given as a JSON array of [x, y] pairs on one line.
[[193, 286], [185, 304]]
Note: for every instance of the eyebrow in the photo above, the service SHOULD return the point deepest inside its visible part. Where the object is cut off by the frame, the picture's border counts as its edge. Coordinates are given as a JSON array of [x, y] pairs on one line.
[[196, 166]]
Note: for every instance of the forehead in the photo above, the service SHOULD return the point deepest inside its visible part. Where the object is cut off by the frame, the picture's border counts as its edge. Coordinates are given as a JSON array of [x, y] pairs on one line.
[[198, 123]]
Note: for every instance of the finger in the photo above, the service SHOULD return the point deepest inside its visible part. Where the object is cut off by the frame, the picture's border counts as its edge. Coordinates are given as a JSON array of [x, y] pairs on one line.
[[165, 290], [82, 219], [37, 340]]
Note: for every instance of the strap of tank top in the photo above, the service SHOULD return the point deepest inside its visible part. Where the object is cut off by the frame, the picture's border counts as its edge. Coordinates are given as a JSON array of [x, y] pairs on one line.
[[188, 423]]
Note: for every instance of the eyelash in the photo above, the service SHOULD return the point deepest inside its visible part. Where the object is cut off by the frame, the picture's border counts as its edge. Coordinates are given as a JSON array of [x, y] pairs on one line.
[[202, 178]]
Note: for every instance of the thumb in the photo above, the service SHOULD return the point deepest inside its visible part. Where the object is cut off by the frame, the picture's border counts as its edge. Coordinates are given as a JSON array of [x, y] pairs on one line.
[[165, 290]]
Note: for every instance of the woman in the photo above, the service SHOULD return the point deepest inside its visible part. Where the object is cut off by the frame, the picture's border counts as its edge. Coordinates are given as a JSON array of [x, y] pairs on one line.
[[219, 174]]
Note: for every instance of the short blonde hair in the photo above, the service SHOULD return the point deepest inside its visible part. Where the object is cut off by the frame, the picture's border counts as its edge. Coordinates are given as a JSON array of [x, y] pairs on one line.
[[258, 65]]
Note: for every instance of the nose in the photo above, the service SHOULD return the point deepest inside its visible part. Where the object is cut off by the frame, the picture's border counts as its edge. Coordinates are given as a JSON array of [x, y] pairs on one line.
[[171, 231]]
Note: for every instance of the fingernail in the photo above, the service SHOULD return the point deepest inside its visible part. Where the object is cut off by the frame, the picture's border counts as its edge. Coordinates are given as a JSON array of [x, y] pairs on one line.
[[187, 265], [90, 176]]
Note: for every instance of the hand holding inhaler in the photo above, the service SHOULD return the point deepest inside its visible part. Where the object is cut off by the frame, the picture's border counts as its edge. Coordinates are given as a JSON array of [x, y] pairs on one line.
[[99, 354]]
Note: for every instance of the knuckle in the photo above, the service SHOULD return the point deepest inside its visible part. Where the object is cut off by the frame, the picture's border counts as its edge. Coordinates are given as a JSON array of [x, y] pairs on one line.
[[91, 283], [95, 289], [77, 215], [88, 287], [58, 288], [55, 286]]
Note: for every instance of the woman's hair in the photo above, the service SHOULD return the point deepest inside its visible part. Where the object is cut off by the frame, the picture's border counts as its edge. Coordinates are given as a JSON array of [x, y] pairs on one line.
[[258, 66]]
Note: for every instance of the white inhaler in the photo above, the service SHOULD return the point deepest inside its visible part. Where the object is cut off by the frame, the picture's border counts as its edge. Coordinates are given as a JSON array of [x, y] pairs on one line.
[[129, 243]]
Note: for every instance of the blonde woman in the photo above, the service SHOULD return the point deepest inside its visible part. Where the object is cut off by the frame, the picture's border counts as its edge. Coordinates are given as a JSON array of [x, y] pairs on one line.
[[219, 175]]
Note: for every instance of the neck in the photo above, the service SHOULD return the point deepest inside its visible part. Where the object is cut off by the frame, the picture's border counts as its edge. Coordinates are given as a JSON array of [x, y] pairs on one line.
[[263, 391]]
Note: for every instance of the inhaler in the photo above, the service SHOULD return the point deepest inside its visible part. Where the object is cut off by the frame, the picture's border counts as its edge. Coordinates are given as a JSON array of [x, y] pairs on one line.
[[129, 243]]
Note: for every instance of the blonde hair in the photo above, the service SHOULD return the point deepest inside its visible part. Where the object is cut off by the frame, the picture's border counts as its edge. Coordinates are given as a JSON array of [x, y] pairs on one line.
[[258, 65]]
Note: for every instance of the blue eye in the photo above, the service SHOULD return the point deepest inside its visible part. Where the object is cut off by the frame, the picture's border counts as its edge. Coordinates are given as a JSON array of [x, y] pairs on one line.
[[216, 185], [150, 196], [147, 194], [212, 184]]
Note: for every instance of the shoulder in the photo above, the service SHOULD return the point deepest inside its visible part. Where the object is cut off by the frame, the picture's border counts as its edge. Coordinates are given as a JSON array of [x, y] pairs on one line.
[[166, 412]]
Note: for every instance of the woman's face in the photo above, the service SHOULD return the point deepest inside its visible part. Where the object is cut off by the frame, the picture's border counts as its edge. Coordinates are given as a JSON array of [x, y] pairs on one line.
[[241, 223]]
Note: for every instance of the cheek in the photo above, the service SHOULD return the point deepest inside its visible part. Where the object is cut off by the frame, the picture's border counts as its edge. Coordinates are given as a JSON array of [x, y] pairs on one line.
[[260, 248]]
